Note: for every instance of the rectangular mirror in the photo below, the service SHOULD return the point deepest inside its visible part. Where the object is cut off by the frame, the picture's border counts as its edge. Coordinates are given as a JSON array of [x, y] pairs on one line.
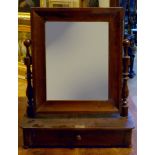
[[77, 59]]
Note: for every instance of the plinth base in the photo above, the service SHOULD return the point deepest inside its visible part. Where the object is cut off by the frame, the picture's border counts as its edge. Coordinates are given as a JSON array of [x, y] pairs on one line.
[[78, 131]]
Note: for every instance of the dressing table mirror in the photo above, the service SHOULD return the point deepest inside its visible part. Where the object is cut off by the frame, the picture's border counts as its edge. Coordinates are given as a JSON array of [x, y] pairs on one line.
[[76, 97]]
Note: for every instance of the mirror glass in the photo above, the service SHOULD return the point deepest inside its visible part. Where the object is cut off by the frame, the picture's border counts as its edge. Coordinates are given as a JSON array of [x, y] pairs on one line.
[[77, 60]]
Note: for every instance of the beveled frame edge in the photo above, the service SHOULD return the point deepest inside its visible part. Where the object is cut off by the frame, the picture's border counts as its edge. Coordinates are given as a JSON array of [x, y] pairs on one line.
[[38, 18]]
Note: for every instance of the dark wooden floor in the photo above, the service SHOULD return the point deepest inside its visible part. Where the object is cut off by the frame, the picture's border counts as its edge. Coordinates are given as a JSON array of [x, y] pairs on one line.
[[79, 151]]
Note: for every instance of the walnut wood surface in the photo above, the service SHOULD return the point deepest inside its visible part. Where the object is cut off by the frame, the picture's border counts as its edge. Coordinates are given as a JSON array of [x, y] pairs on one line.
[[78, 132], [38, 18], [73, 107], [84, 131], [78, 138], [125, 90], [73, 151], [83, 122]]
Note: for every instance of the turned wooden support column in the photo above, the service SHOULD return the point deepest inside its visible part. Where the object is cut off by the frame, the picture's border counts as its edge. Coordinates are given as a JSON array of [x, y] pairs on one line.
[[125, 91], [29, 90]]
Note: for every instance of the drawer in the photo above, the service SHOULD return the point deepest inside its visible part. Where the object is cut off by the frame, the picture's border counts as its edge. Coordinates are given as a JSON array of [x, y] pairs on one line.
[[77, 138]]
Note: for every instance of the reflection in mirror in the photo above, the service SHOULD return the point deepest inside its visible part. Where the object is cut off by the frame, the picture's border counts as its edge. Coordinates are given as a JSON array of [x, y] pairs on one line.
[[77, 60]]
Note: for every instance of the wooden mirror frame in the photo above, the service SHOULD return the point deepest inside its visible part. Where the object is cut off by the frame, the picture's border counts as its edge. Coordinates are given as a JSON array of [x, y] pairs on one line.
[[114, 16]]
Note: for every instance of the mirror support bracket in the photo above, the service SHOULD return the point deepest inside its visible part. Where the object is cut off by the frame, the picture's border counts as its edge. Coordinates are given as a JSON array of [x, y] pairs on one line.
[[125, 90], [29, 90]]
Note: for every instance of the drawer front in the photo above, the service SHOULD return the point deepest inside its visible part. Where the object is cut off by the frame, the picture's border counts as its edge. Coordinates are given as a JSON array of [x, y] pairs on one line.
[[78, 138]]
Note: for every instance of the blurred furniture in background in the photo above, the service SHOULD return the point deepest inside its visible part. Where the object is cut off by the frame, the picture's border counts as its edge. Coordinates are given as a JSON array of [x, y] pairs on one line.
[[130, 30], [103, 3], [130, 18], [61, 3], [23, 33]]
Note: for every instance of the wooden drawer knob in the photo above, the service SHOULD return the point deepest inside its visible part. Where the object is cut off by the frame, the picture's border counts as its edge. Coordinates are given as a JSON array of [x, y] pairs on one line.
[[78, 137]]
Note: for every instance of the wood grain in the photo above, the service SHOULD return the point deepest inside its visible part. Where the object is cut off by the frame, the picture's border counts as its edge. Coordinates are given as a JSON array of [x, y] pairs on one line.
[[70, 151], [125, 90], [73, 107], [38, 18]]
